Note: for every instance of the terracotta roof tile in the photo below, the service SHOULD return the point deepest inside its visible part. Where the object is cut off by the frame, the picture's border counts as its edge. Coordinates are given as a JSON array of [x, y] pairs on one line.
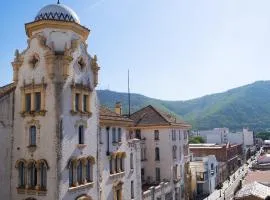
[[152, 116], [107, 114]]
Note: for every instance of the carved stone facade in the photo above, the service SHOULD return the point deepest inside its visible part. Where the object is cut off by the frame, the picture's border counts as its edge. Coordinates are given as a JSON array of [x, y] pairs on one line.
[[57, 143]]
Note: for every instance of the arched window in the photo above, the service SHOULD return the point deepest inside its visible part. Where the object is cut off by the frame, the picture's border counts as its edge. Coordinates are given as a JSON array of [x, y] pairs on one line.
[[71, 166], [32, 135], [80, 173], [157, 153], [21, 170], [32, 170], [43, 176], [89, 175], [81, 135], [174, 152]]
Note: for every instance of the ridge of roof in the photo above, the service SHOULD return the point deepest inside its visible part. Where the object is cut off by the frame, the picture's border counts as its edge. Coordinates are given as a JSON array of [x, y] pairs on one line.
[[6, 89], [106, 114], [167, 118]]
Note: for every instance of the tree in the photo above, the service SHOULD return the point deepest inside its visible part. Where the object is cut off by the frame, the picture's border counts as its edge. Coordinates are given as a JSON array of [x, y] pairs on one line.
[[196, 140]]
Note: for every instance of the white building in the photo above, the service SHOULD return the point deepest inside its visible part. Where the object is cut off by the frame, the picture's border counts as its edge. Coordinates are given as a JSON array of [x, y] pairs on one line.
[[59, 144], [165, 143], [120, 157], [203, 175], [223, 136], [55, 111]]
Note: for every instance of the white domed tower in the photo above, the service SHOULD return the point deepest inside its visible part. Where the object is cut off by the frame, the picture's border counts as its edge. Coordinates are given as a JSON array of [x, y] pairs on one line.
[[55, 130]]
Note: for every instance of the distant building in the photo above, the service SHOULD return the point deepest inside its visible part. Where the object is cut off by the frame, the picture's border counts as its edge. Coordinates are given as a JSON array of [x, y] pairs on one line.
[[223, 136], [231, 154], [204, 171]]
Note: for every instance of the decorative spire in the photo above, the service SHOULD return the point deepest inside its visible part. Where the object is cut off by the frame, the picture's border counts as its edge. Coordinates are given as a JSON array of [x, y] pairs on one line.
[[58, 2]]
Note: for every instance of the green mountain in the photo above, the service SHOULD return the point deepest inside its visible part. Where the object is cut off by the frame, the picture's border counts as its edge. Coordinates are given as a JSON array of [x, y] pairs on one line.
[[246, 106]]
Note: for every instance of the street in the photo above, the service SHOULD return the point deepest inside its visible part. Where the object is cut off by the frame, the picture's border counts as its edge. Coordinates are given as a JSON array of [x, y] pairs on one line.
[[227, 191]]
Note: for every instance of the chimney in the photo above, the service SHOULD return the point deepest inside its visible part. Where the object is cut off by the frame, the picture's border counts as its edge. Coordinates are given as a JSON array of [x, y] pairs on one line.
[[118, 108]]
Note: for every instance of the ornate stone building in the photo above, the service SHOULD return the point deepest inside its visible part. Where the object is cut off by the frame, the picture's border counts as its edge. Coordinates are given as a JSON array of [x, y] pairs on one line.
[[57, 142]]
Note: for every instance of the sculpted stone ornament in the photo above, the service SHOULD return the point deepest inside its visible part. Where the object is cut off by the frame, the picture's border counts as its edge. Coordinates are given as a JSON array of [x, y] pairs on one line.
[[67, 58], [17, 63], [50, 62], [95, 67], [34, 61]]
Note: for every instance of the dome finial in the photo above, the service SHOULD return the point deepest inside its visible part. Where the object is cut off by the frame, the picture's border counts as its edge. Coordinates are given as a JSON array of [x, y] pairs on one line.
[[58, 2]]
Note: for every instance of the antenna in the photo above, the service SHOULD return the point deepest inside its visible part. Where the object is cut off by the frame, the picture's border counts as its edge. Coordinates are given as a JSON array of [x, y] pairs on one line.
[[128, 96]]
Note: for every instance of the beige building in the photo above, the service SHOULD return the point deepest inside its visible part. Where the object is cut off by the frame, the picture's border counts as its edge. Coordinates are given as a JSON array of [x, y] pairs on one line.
[[165, 151]]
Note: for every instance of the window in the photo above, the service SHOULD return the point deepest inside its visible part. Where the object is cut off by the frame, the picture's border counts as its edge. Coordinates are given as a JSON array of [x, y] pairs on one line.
[[32, 175], [117, 162], [185, 134], [85, 103], [156, 133], [179, 135], [43, 176], [174, 172], [174, 152], [21, 170], [81, 135], [142, 174], [138, 134], [37, 101], [157, 153], [173, 135], [132, 189], [111, 166], [116, 165], [71, 167], [77, 99], [32, 136], [89, 177], [181, 171], [80, 173], [119, 134], [28, 102], [180, 153], [131, 161], [158, 174], [113, 135], [121, 164]]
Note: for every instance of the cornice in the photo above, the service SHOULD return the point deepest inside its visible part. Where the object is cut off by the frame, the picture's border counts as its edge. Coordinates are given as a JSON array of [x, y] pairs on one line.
[[42, 24]]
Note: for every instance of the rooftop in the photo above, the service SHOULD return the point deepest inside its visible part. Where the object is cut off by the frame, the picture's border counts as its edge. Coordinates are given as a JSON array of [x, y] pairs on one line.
[[107, 115], [254, 189], [6, 89], [151, 116]]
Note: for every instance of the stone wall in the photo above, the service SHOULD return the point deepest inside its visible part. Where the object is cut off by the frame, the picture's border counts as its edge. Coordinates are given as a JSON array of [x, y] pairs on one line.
[[6, 115]]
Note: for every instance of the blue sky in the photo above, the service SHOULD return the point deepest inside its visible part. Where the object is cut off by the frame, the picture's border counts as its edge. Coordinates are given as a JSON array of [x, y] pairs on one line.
[[175, 49]]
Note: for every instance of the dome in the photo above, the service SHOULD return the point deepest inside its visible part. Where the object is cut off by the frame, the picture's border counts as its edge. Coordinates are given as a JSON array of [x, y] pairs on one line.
[[57, 12]]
